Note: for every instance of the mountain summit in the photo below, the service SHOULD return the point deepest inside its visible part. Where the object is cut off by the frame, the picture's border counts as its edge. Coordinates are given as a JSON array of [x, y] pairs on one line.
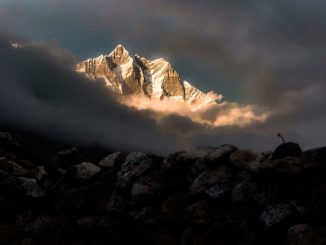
[[157, 79]]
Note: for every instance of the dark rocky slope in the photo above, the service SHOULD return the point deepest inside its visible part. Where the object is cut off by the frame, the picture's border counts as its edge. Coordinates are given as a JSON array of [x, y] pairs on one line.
[[219, 195]]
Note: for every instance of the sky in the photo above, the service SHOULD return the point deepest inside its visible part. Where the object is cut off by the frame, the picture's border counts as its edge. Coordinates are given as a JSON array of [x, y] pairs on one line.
[[262, 52]]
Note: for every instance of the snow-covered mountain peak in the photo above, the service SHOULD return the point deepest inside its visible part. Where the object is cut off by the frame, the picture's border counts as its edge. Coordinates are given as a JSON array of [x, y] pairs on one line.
[[137, 75]]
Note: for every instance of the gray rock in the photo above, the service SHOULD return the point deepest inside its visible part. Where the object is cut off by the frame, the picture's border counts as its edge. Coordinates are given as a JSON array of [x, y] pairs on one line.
[[210, 153], [43, 225], [172, 207], [179, 162], [245, 159], [32, 188], [135, 165], [25, 163], [199, 213], [115, 204], [113, 160], [146, 188], [220, 188], [95, 224], [284, 165], [287, 149], [221, 152], [198, 167], [85, 171], [315, 157], [243, 192], [278, 214], [44, 179], [146, 214], [213, 182], [303, 234], [12, 167], [17, 170], [64, 159], [133, 156]]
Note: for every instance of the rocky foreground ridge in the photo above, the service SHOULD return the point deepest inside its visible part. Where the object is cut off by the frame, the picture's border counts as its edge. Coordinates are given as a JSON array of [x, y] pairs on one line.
[[218, 195]]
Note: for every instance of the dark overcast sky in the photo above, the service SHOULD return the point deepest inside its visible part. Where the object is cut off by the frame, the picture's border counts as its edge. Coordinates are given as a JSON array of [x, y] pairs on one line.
[[265, 52], [220, 45]]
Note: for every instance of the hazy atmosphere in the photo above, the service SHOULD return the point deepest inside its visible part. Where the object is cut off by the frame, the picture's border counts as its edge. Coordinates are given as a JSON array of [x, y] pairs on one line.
[[162, 122], [269, 55]]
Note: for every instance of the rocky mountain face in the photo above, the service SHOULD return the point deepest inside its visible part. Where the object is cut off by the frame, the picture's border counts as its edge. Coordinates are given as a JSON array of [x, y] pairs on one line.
[[137, 75], [216, 195]]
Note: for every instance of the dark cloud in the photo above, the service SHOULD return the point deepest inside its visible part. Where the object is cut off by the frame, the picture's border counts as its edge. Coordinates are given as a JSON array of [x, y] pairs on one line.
[[264, 47], [41, 91]]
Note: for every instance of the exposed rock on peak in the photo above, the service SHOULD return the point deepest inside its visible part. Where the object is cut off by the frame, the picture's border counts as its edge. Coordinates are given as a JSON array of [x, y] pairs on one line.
[[119, 55], [137, 75]]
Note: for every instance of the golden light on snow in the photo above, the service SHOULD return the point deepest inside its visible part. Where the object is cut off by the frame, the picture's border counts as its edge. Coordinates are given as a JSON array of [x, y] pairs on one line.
[[157, 79], [216, 114]]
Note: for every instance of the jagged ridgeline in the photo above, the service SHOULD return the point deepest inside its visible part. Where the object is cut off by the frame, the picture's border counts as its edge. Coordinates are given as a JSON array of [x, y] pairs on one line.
[[137, 75]]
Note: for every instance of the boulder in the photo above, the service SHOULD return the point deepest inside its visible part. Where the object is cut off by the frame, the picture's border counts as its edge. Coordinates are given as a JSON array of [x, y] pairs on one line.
[[45, 180], [113, 160], [115, 204], [32, 188], [78, 200], [64, 159], [245, 159], [288, 149], [279, 216], [199, 213], [198, 167], [317, 202], [146, 214], [28, 164], [286, 165], [146, 189], [134, 156], [304, 234], [220, 188], [243, 192], [213, 182], [178, 162], [220, 153], [44, 226], [84, 171], [135, 165], [95, 225], [12, 186], [315, 158], [171, 208], [12, 167]]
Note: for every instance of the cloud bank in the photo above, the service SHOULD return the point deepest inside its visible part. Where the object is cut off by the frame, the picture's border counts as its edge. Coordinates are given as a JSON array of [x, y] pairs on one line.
[[40, 91]]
